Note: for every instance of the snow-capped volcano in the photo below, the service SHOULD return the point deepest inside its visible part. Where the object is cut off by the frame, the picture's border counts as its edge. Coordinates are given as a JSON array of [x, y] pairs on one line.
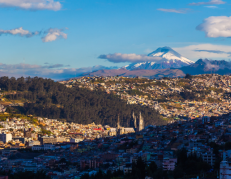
[[170, 59]]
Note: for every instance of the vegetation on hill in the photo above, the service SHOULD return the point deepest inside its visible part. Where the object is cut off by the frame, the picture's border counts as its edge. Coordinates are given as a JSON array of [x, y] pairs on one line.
[[46, 98]]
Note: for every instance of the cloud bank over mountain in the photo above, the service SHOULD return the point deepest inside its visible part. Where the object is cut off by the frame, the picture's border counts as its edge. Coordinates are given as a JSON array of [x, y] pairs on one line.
[[132, 58], [210, 51], [54, 71], [193, 52], [214, 51]]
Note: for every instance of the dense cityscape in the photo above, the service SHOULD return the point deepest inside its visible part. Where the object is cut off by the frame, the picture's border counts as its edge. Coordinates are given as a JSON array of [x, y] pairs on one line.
[[198, 127], [189, 98]]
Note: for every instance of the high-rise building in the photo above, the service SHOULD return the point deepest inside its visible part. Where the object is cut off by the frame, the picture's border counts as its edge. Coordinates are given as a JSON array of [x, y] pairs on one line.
[[225, 168], [5, 137]]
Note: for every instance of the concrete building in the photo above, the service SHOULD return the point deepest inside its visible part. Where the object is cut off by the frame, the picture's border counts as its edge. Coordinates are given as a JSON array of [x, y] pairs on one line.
[[21, 139], [45, 140], [5, 137], [49, 147], [43, 147], [89, 163], [127, 130], [76, 140], [112, 132], [209, 158], [61, 139], [127, 168], [34, 142], [169, 163], [205, 119], [225, 168], [37, 147]]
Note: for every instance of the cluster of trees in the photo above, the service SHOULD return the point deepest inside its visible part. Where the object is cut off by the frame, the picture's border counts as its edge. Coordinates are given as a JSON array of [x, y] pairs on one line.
[[188, 76], [26, 175], [186, 167], [188, 95], [47, 98], [139, 171], [190, 166]]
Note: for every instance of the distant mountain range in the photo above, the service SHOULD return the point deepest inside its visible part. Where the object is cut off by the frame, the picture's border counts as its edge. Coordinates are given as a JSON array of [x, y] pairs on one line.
[[171, 65], [205, 66]]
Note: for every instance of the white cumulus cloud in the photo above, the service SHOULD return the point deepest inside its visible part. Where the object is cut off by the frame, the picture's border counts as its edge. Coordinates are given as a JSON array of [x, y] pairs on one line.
[[32, 4], [212, 7], [180, 11], [54, 34], [216, 26], [134, 58], [50, 35], [19, 31], [212, 2]]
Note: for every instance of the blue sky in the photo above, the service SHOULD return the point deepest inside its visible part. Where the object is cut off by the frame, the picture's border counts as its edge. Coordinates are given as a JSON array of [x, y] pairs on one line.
[[36, 35]]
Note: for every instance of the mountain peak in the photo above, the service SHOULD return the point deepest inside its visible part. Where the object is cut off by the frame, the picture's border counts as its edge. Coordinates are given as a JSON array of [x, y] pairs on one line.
[[164, 49], [170, 59]]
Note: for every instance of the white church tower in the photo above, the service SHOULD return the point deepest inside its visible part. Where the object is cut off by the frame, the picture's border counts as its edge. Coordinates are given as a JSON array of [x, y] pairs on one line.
[[141, 122]]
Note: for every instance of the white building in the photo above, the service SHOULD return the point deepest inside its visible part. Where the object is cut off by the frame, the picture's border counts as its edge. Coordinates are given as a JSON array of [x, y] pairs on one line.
[[49, 147], [5, 137], [37, 147], [112, 132], [76, 140], [43, 147], [169, 163], [34, 142], [225, 168]]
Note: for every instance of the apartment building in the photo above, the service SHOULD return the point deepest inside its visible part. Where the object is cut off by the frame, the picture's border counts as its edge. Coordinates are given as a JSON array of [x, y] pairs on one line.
[[169, 163]]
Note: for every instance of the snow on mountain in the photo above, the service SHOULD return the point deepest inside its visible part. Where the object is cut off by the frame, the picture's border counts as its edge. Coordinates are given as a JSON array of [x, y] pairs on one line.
[[170, 59]]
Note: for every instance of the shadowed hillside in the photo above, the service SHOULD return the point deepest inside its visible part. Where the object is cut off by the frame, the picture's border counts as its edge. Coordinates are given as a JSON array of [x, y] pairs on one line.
[[50, 99]]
